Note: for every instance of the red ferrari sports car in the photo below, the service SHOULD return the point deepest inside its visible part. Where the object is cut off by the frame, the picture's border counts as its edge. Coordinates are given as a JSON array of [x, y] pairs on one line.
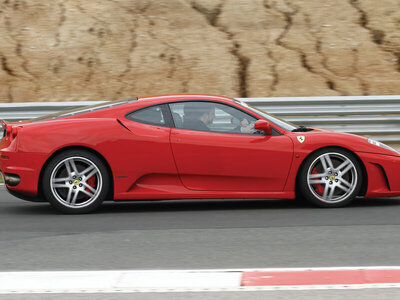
[[187, 147]]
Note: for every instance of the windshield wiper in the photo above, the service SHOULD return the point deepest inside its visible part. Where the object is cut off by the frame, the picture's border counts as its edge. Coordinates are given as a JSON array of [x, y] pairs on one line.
[[302, 128]]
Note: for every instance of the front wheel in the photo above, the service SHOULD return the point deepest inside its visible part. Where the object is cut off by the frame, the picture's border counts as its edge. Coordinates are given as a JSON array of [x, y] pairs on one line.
[[330, 178], [76, 182]]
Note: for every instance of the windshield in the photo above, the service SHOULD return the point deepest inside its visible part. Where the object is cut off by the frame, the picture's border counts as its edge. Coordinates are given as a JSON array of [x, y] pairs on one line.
[[275, 120], [81, 110]]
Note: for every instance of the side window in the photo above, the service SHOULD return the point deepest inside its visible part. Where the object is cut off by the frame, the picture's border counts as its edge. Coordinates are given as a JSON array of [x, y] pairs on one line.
[[152, 115], [213, 117]]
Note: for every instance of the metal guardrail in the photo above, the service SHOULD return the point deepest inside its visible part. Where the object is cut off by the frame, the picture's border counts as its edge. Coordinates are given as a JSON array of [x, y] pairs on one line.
[[29, 110], [375, 116]]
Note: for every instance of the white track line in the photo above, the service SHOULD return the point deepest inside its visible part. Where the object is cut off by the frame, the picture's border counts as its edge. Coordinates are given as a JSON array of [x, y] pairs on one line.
[[115, 281], [157, 281]]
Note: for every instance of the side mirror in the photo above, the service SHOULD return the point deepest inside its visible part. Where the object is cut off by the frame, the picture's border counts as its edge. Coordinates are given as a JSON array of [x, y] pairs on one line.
[[263, 125]]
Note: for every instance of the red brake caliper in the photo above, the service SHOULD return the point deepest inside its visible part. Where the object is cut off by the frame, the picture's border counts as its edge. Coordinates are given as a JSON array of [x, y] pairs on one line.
[[319, 188], [91, 181]]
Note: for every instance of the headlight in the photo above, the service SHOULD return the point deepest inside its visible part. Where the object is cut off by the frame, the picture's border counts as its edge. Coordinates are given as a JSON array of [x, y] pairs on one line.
[[379, 144]]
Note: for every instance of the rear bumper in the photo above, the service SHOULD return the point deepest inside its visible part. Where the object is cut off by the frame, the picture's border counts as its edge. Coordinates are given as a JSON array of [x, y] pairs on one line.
[[383, 174], [26, 166]]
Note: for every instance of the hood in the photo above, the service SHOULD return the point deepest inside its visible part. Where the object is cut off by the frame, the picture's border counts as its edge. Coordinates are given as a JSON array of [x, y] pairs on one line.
[[319, 138]]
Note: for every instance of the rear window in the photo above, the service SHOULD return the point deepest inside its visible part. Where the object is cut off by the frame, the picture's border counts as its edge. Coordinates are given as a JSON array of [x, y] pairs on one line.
[[150, 115], [81, 110]]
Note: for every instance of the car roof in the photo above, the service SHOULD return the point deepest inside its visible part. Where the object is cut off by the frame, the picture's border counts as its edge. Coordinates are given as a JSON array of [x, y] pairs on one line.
[[182, 97]]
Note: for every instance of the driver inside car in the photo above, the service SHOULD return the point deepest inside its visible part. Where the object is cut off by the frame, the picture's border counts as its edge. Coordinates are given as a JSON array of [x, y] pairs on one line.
[[243, 126], [198, 115], [246, 126]]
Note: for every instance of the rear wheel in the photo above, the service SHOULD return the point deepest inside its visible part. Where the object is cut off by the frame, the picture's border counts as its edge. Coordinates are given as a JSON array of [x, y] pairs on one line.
[[330, 178], [76, 182]]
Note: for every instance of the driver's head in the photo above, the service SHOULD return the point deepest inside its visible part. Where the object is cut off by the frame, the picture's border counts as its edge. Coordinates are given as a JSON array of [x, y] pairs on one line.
[[203, 111]]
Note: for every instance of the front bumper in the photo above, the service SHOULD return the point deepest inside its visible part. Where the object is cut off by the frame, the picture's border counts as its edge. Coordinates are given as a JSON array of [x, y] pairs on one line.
[[383, 173]]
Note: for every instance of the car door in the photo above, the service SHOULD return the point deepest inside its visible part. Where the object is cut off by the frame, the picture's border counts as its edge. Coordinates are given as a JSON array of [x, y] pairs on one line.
[[149, 162], [227, 156]]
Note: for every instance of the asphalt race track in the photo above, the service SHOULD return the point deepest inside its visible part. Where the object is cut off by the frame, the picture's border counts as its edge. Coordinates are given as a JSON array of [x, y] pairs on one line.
[[208, 234]]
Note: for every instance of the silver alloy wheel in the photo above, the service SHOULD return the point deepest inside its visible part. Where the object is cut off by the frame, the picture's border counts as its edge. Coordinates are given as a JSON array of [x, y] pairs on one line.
[[332, 177], [76, 182]]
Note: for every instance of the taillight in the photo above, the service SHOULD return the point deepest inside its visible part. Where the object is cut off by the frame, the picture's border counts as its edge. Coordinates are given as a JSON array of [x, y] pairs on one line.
[[10, 131]]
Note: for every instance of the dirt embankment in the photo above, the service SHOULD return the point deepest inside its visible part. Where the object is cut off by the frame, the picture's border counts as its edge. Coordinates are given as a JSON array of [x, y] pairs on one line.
[[95, 50]]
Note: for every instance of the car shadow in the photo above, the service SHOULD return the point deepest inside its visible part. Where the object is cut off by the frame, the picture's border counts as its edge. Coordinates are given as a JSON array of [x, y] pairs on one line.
[[373, 202], [229, 204], [110, 207], [200, 205]]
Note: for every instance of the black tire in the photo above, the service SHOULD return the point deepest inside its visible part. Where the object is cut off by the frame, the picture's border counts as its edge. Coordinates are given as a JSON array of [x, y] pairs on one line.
[[325, 186], [76, 192]]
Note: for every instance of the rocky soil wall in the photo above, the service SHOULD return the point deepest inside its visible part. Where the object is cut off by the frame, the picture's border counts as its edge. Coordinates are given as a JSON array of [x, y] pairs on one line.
[[63, 50]]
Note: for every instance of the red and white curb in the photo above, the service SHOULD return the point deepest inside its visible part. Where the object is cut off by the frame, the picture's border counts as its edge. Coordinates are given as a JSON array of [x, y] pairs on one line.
[[198, 280]]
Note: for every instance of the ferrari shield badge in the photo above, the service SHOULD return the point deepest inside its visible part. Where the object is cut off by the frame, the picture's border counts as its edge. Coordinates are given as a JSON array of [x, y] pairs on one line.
[[301, 138]]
